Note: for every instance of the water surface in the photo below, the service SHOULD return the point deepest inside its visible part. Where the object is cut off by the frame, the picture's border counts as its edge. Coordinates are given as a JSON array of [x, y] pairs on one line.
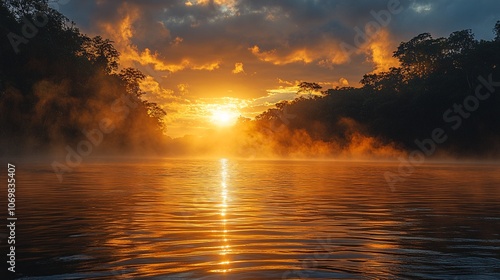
[[229, 219]]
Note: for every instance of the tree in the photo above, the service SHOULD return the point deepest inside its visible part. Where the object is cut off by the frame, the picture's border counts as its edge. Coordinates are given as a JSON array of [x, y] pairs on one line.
[[419, 55], [460, 42], [496, 30], [24, 8], [309, 88], [102, 53], [132, 78], [62, 82], [157, 113], [391, 80]]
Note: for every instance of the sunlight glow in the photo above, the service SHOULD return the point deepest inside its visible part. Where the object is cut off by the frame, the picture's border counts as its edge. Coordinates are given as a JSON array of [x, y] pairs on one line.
[[224, 117]]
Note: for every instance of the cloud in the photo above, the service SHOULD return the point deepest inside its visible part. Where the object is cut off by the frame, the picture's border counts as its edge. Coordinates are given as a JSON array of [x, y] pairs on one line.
[[273, 56], [131, 30], [238, 68], [183, 89], [379, 52], [177, 41], [207, 66], [343, 82]]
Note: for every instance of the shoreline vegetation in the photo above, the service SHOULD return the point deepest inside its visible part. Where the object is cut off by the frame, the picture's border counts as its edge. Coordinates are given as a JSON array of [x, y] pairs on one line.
[[62, 92]]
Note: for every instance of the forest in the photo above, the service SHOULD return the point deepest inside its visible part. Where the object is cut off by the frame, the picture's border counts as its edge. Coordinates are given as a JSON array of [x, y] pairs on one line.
[[59, 86], [443, 86]]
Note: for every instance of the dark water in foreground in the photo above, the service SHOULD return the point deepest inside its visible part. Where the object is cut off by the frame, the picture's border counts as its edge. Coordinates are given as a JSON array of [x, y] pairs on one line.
[[225, 219]]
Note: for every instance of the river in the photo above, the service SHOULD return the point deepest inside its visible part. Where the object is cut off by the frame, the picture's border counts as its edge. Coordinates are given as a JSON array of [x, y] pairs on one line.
[[256, 219]]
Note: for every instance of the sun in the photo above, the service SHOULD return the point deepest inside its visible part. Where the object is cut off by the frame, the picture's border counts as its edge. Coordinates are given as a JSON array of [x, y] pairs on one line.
[[224, 117]]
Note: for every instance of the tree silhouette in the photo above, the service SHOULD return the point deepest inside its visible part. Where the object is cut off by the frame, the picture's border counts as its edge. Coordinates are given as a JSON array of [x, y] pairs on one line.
[[58, 83], [309, 88], [496, 30], [408, 102], [101, 53]]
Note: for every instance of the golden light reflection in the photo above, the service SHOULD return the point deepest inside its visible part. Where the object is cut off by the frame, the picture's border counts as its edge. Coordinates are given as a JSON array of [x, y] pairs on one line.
[[225, 248]]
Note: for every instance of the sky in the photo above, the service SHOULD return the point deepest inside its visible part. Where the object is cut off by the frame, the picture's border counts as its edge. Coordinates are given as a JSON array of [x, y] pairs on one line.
[[208, 62]]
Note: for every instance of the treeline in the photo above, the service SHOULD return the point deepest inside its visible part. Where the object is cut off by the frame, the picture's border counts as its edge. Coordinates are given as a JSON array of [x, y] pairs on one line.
[[59, 87], [448, 87]]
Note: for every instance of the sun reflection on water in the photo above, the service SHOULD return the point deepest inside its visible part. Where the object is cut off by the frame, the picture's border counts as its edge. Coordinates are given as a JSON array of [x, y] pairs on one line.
[[225, 248]]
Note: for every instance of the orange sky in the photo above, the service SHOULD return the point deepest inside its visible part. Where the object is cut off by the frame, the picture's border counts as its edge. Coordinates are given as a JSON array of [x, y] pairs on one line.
[[209, 61]]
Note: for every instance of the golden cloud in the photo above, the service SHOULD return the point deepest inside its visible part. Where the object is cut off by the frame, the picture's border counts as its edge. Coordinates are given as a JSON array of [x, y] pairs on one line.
[[344, 81], [326, 53], [238, 68], [272, 56], [130, 53], [379, 51], [207, 66]]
